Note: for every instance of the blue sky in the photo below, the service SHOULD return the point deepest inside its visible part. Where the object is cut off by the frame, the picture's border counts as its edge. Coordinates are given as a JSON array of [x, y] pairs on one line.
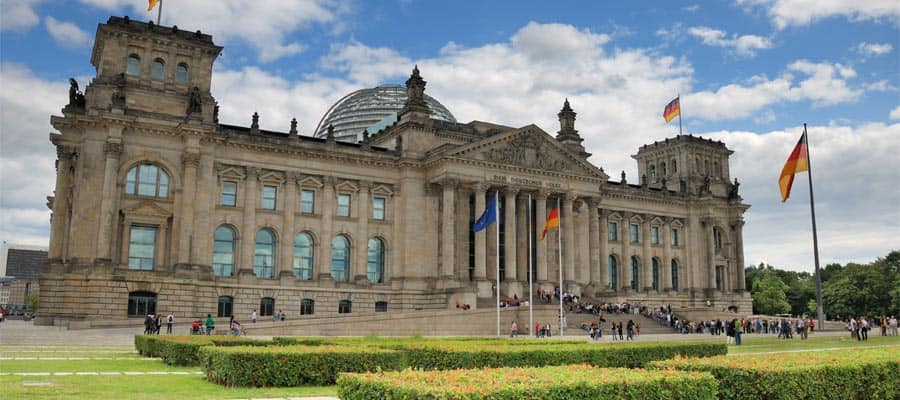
[[750, 73]]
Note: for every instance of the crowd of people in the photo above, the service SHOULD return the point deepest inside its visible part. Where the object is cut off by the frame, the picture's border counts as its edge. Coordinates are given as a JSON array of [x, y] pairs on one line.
[[859, 327], [153, 323]]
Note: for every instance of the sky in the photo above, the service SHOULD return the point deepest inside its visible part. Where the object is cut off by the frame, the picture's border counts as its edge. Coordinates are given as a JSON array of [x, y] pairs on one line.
[[749, 73]]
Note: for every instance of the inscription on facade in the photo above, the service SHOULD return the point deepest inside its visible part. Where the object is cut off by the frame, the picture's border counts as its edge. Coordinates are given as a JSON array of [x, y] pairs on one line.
[[516, 180]]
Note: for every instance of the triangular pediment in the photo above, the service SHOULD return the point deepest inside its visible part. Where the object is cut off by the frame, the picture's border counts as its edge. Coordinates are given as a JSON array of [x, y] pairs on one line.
[[382, 190], [657, 221], [528, 147], [615, 216], [346, 186], [147, 209], [310, 181], [676, 223]]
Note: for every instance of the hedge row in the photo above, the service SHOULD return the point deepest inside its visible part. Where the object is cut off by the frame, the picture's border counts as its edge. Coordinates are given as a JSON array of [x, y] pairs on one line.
[[841, 374], [559, 382], [311, 365], [185, 350], [295, 365]]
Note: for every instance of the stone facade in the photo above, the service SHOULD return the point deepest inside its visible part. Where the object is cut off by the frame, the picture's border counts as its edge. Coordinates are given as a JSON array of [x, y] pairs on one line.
[[156, 203]]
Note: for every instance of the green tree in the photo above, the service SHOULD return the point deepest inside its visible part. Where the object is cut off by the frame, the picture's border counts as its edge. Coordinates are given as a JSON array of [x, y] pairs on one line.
[[769, 294]]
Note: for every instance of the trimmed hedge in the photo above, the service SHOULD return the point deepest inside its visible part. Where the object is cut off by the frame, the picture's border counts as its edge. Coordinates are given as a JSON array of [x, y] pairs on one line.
[[447, 356], [872, 373], [567, 382], [185, 350], [293, 366], [312, 365]]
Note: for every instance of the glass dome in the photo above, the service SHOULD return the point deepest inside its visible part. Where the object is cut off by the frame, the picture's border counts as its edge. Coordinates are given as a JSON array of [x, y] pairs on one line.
[[372, 109]]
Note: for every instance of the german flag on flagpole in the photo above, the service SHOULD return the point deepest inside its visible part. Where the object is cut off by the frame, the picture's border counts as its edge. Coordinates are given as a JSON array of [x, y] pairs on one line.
[[798, 161], [552, 222], [673, 109], [151, 4]]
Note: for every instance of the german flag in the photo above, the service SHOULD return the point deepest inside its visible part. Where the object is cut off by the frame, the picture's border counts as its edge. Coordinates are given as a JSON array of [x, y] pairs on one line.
[[151, 4], [673, 109], [552, 222], [798, 161]]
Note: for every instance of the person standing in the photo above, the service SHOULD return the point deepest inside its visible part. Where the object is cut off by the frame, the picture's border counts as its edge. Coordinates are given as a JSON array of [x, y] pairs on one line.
[[210, 324], [170, 321], [253, 317], [513, 329], [157, 323]]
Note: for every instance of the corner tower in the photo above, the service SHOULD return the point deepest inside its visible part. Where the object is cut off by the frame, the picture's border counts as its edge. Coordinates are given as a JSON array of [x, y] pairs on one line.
[[685, 163]]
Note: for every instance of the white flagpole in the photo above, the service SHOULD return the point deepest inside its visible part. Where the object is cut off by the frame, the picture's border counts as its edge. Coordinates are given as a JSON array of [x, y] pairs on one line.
[[559, 251], [530, 278], [497, 255]]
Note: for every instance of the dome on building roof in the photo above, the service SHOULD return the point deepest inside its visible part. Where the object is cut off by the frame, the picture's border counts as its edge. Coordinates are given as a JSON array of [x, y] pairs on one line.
[[372, 109]]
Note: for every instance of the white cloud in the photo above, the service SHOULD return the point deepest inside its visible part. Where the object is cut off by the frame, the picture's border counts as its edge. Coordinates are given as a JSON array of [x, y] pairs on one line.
[[261, 24], [873, 49], [786, 13], [691, 8], [18, 15], [880, 86], [67, 34], [895, 113], [745, 45]]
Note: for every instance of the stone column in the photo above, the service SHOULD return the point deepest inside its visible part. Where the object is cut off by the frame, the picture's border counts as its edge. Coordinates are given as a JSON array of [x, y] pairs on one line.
[[58, 220], [665, 275], [522, 237], [594, 244], [739, 255], [567, 222], [463, 227], [361, 256], [711, 254], [448, 231], [480, 240], [540, 219], [248, 226], [646, 257], [603, 279], [323, 253], [509, 225], [285, 266], [191, 162], [109, 199]]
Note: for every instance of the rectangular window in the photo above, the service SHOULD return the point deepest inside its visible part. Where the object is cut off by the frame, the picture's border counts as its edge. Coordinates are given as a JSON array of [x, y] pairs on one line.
[[633, 232], [141, 248], [613, 231], [675, 237], [229, 194], [654, 235], [378, 208], [343, 209], [269, 193], [308, 201]]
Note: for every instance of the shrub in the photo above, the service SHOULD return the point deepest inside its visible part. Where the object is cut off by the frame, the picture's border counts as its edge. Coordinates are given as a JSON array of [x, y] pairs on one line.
[[293, 366], [185, 350], [567, 382], [838, 374]]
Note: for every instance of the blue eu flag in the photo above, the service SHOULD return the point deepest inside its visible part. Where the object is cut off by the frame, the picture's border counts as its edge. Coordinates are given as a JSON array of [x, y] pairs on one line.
[[489, 216]]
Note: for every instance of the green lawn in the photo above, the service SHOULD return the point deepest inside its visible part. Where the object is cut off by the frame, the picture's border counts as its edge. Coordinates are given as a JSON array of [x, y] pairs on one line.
[[195, 387]]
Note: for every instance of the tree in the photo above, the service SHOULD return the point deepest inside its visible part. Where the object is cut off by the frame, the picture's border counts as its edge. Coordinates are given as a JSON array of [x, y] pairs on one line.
[[768, 294]]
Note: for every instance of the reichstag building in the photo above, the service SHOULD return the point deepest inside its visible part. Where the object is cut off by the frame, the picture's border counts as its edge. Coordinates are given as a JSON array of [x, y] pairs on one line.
[[158, 207]]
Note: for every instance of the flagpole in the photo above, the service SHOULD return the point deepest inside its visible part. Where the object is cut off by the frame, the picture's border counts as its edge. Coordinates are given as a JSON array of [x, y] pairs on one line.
[[530, 278], [159, 13], [559, 251], [679, 113], [497, 255], [812, 211]]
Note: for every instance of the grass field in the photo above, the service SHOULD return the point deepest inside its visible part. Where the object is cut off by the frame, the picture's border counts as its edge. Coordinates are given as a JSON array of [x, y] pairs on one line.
[[162, 381]]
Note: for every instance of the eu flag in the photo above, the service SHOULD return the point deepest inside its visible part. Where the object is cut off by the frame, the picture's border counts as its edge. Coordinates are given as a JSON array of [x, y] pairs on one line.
[[489, 216]]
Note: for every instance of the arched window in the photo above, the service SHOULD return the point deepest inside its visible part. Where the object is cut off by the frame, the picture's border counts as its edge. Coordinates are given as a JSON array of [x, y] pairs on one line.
[[223, 251], [652, 172], [706, 167], [141, 304], [133, 67], [147, 180], [307, 307], [635, 270], [340, 258], [226, 304], [662, 168], [613, 272], [181, 74], [674, 275], [376, 261], [655, 266], [716, 169], [303, 256], [344, 307], [157, 69], [266, 307], [674, 165], [717, 238], [264, 256]]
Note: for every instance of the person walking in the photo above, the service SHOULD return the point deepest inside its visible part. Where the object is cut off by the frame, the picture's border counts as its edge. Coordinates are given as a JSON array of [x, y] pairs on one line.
[[629, 329], [210, 324], [170, 321], [157, 323], [253, 317], [513, 329]]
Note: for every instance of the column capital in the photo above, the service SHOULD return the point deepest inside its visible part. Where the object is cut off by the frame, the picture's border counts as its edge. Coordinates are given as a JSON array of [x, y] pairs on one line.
[[449, 183], [65, 152], [293, 177], [568, 197], [364, 185], [329, 181], [542, 194], [112, 149], [511, 191], [252, 172], [479, 187], [190, 159]]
